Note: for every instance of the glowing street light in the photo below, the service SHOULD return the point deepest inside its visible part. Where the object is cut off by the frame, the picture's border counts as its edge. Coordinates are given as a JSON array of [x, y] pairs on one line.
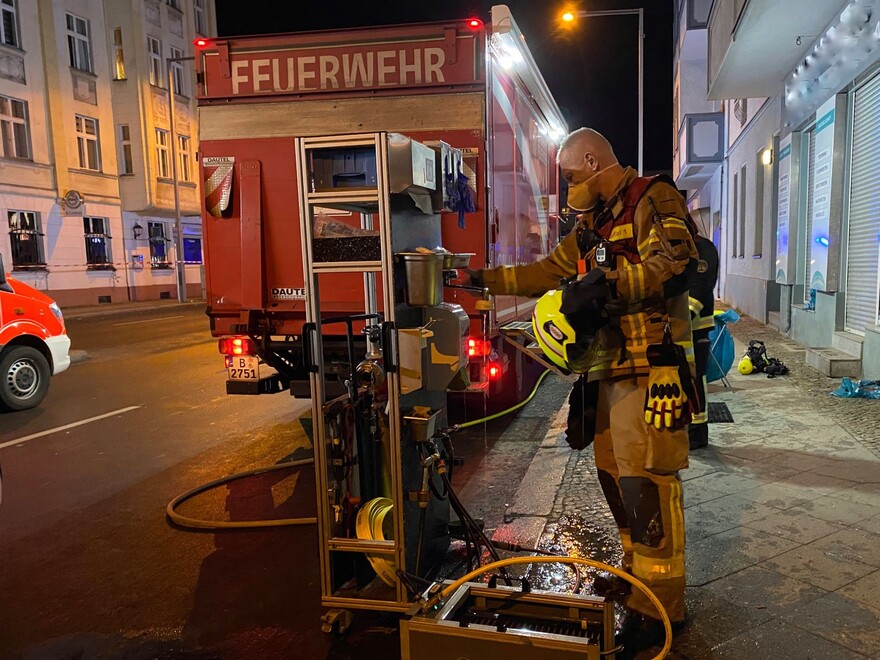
[[568, 17]]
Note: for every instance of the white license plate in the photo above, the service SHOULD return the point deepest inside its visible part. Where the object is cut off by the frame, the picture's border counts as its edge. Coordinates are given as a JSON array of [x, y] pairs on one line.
[[244, 367]]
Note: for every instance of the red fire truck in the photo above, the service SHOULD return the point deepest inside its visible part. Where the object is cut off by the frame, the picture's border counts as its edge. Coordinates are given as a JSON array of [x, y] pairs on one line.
[[469, 84]]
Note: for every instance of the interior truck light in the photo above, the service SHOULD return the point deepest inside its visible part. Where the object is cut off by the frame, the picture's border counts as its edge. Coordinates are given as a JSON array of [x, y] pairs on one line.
[[236, 346]]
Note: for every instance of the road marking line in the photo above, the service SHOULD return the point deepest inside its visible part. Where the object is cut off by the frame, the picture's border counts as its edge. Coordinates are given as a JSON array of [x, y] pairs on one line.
[[163, 318], [33, 436]]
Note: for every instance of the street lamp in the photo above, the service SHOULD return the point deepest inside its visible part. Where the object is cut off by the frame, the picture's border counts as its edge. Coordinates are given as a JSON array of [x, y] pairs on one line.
[[569, 17], [181, 268]]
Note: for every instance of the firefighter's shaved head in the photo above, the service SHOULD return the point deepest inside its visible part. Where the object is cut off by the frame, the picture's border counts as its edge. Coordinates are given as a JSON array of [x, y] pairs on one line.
[[586, 144]]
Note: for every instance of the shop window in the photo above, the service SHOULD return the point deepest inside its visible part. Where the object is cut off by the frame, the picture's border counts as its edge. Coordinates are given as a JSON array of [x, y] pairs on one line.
[[27, 240], [192, 250], [97, 236]]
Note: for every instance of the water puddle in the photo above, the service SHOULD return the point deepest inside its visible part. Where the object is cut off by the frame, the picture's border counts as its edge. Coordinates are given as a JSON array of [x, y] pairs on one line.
[[591, 535]]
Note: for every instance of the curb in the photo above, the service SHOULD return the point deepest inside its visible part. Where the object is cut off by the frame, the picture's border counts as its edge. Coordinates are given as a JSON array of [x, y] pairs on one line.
[[527, 527]]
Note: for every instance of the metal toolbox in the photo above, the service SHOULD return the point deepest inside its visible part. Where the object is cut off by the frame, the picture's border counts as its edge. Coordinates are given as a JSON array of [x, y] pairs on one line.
[[411, 165], [504, 623]]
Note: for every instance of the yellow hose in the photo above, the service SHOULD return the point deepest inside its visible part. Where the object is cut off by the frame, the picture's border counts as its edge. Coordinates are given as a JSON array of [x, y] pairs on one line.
[[531, 396], [196, 523], [370, 525], [638, 584]]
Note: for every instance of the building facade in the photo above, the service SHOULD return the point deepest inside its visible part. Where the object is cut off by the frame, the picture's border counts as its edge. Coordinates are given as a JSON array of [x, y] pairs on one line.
[[798, 82], [87, 173]]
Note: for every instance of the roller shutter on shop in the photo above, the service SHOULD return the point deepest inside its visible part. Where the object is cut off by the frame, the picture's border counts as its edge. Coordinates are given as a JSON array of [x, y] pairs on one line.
[[863, 244], [808, 232]]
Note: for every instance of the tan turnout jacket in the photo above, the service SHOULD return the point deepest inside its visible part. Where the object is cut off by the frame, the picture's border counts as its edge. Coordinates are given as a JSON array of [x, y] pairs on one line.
[[640, 308]]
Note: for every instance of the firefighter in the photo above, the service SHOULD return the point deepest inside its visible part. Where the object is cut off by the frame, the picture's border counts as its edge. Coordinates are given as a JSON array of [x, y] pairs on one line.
[[702, 306], [632, 247]]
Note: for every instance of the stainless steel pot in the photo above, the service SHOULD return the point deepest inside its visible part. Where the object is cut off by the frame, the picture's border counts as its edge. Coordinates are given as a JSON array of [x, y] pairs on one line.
[[424, 278]]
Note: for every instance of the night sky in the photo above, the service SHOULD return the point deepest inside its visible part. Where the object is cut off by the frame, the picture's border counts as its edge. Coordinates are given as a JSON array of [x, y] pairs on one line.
[[591, 68]]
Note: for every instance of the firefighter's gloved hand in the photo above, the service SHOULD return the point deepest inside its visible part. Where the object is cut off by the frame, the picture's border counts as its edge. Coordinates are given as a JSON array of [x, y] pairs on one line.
[[584, 301], [665, 400], [595, 276]]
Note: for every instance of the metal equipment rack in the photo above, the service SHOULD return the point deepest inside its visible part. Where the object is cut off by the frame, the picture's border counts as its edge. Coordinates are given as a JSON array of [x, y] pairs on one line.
[[358, 571], [370, 201]]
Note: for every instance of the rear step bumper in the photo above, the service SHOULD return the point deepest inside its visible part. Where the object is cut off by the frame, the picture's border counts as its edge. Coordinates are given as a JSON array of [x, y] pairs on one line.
[[266, 385]]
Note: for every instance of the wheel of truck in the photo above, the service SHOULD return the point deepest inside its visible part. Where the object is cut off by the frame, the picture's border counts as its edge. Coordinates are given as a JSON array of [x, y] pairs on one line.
[[24, 378]]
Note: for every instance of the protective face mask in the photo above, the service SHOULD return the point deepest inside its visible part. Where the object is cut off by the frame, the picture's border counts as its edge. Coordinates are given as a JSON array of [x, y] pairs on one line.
[[585, 195]]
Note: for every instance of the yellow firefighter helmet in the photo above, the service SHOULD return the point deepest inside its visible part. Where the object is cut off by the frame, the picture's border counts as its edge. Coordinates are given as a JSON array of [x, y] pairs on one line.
[[554, 333], [745, 366]]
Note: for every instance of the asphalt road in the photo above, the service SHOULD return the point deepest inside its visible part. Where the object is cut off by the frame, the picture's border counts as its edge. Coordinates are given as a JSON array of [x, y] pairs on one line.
[[90, 567]]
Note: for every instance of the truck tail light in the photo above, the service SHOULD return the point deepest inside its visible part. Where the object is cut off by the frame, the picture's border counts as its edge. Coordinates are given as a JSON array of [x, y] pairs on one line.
[[477, 348], [201, 42], [475, 23], [493, 370], [237, 346]]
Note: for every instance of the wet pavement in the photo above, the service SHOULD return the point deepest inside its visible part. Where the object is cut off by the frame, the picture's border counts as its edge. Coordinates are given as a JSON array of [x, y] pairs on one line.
[[782, 513]]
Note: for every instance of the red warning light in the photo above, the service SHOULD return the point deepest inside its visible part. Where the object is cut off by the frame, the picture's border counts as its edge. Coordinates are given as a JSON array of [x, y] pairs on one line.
[[475, 23], [236, 346], [478, 347], [200, 42], [493, 370]]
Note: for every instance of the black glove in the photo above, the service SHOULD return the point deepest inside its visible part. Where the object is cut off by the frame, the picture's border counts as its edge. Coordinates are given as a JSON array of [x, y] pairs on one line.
[[587, 296], [595, 276], [475, 277]]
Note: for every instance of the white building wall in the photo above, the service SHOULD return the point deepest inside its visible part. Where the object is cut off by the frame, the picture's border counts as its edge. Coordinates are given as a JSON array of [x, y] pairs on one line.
[[750, 282]]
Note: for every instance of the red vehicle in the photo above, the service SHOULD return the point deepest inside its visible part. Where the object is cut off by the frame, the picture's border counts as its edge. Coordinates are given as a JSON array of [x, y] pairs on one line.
[[33, 343], [471, 85]]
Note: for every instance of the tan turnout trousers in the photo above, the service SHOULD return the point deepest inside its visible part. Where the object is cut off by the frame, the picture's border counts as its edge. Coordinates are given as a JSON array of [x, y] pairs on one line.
[[638, 470]]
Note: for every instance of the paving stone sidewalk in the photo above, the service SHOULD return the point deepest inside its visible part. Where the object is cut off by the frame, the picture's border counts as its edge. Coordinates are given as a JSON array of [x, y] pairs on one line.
[[782, 512]]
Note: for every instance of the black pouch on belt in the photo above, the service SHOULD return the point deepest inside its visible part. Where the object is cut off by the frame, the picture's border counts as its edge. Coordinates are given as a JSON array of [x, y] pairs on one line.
[[582, 404]]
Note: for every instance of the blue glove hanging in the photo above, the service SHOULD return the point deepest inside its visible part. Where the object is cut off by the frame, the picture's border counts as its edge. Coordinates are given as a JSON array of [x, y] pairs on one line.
[[464, 199]]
